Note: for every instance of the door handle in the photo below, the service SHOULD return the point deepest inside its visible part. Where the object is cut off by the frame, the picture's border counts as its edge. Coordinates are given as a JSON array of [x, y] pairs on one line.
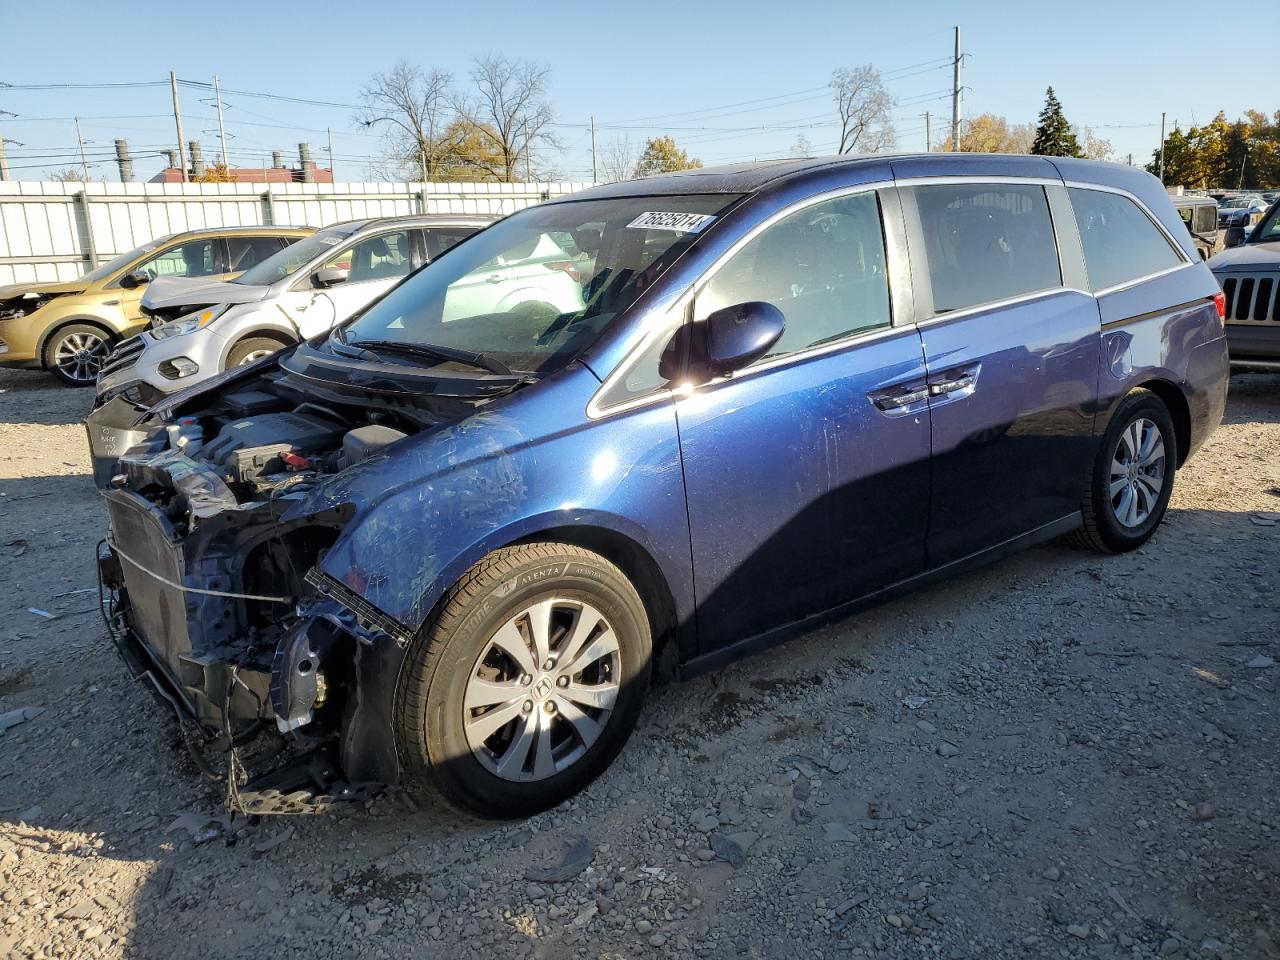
[[896, 401], [943, 387], [493, 278]]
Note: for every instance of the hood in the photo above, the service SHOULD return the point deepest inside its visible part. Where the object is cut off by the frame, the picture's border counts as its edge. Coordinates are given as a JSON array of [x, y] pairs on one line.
[[55, 287], [167, 292], [1250, 256]]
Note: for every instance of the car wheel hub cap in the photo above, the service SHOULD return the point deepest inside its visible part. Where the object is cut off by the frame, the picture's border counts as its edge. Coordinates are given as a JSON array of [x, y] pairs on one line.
[[542, 690], [1137, 472], [80, 355]]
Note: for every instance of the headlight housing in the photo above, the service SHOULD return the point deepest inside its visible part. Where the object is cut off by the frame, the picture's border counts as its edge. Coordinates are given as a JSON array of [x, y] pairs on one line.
[[190, 323]]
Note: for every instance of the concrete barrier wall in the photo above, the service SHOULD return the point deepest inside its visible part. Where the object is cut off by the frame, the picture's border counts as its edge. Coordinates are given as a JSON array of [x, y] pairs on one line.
[[57, 231]]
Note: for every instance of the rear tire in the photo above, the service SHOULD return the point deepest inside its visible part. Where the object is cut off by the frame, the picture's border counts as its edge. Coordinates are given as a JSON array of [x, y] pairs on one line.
[[75, 353], [501, 724], [252, 348], [1132, 477]]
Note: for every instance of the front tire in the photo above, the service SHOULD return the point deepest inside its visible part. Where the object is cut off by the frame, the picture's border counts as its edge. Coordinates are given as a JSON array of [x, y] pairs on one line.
[[250, 349], [525, 683], [1132, 477], [75, 353]]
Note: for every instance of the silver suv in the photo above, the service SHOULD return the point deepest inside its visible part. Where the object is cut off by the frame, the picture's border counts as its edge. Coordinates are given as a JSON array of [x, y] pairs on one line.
[[202, 327]]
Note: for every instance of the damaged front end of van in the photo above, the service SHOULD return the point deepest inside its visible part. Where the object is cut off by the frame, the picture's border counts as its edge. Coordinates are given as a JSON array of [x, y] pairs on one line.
[[223, 504]]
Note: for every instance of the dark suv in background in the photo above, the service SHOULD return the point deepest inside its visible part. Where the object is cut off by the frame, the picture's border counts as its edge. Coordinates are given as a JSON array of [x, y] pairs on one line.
[[1250, 278], [443, 548]]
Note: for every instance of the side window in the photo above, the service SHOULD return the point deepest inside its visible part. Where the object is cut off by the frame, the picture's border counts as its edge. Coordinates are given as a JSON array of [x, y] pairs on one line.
[[441, 239], [1120, 241], [822, 266], [1186, 214], [191, 259], [244, 252], [986, 242], [384, 256]]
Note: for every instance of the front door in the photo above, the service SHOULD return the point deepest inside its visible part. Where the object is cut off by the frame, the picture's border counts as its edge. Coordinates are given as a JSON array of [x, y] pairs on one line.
[[806, 474], [374, 265], [1013, 363]]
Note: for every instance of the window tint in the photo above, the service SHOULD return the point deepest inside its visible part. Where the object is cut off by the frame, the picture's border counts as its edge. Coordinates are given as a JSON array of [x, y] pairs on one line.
[[986, 242], [441, 239], [244, 252], [1120, 241], [823, 267], [376, 258], [191, 259]]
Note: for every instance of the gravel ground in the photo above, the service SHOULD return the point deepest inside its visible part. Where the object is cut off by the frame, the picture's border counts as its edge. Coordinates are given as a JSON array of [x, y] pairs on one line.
[[1063, 755]]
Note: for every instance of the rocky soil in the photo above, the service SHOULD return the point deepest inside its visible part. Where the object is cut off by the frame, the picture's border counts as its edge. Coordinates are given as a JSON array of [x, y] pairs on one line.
[[1063, 755]]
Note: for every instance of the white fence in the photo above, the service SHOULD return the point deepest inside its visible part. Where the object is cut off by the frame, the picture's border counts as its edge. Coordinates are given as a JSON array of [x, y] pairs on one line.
[[57, 231]]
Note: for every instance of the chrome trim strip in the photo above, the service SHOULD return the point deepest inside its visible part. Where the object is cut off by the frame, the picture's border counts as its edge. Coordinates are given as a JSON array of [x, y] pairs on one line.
[[1143, 279], [1000, 304]]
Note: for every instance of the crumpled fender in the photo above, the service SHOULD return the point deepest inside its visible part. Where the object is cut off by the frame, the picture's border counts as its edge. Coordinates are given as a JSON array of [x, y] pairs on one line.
[[438, 502]]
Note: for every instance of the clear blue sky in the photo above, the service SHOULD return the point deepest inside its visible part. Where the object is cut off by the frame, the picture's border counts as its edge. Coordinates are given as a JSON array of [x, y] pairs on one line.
[[730, 80]]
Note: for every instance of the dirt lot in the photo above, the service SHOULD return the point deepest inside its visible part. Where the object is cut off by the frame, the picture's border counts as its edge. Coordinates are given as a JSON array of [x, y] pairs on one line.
[[1064, 755]]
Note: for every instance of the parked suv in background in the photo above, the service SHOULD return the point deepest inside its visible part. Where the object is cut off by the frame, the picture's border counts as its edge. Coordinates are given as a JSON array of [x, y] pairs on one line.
[[1250, 278], [68, 327], [201, 328], [445, 550]]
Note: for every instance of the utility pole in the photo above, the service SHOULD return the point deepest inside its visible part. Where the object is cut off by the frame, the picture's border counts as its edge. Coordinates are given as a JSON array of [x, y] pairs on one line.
[[593, 150], [4, 164], [177, 122], [222, 131], [955, 96], [84, 164], [1162, 148], [332, 177], [928, 135]]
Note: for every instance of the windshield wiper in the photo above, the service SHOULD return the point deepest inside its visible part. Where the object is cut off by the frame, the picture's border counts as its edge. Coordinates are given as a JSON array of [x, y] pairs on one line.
[[478, 360]]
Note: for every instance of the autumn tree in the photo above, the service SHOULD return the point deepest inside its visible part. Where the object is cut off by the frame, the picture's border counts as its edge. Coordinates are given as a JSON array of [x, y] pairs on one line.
[[412, 107], [990, 133], [466, 153], [510, 111], [863, 106], [1054, 137], [661, 155], [216, 173]]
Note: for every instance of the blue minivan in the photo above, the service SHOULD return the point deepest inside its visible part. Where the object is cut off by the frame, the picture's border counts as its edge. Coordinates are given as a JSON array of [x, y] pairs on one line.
[[444, 550]]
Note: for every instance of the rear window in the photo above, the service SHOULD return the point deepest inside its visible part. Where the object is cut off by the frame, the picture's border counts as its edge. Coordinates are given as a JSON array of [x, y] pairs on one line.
[[986, 242], [1121, 244]]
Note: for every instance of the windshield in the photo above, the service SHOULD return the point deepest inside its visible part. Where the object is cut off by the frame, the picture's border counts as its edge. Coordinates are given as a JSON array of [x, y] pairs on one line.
[[534, 290], [293, 257], [1269, 229], [107, 269], [1237, 204]]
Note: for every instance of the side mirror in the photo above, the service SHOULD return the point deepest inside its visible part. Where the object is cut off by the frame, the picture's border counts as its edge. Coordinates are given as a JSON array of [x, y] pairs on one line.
[[132, 281], [726, 341], [329, 276], [738, 336]]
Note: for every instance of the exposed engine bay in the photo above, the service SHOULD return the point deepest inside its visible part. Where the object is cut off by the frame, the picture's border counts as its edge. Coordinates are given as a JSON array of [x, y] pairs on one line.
[[210, 589]]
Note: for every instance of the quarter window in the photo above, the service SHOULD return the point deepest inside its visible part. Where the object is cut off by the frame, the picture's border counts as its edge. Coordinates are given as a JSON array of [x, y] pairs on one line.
[[1120, 241], [986, 242], [822, 266]]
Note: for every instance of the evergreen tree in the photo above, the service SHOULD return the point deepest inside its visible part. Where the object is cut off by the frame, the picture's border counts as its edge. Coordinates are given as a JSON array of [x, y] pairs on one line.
[[1053, 134]]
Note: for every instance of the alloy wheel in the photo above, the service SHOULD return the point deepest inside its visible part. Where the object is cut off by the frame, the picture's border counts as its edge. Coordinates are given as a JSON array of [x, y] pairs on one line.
[[1137, 472], [253, 355], [542, 690], [79, 356]]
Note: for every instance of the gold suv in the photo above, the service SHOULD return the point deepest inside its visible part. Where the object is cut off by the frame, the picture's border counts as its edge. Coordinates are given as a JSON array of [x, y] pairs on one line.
[[68, 327]]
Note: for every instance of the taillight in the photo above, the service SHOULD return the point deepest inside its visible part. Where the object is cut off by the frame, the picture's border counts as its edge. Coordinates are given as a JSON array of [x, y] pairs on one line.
[[1220, 301], [566, 266]]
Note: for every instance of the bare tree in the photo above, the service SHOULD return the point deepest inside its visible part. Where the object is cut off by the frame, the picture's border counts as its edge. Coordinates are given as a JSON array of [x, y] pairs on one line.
[[618, 159], [863, 105], [802, 147], [511, 111], [412, 106]]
